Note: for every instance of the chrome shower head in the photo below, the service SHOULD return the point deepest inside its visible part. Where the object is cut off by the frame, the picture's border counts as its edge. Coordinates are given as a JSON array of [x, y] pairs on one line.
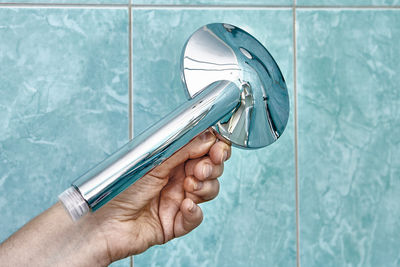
[[233, 85], [221, 51]]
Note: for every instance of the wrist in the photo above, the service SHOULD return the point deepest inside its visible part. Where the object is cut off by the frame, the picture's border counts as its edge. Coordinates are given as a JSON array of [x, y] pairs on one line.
[[53, 239], [87, 242]]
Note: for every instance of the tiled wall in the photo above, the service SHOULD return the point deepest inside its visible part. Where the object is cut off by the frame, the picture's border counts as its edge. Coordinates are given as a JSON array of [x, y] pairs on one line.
[[325, 194]]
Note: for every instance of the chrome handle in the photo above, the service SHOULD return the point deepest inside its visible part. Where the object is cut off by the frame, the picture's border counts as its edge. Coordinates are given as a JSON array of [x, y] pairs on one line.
[[152, 147]]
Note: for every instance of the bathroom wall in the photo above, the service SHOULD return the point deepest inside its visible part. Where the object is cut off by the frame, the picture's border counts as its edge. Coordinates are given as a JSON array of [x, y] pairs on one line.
[[79, 78]]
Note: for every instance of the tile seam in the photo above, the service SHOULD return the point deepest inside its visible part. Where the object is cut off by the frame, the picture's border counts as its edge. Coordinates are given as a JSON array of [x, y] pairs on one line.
[[208, 7], [347, 7], [61, 5], [130, 87], [246, 7], [139, 6], [296, 164], [144, 6], [130, 96]]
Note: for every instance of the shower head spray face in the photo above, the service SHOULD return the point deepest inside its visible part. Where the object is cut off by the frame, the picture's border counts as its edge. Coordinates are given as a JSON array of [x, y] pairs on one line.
[[221, 51]]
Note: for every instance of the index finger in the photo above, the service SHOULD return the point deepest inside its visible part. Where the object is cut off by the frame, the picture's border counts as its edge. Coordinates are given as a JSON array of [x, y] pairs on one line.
[[220, 152]]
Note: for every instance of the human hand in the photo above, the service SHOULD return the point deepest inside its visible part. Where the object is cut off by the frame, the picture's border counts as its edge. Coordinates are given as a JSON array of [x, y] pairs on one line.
[[162, 205]]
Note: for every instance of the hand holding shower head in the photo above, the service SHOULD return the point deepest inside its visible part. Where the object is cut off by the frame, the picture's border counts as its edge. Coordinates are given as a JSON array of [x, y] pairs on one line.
[[233, 84]]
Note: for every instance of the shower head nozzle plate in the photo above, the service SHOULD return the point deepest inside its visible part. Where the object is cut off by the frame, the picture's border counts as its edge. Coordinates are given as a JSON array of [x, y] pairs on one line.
[[221, 51]]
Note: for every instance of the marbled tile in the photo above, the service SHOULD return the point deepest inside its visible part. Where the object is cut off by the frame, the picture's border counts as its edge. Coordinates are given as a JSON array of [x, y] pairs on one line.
[[210, 2], [349, 137], [63, 104], [252, 222], [348, 2]]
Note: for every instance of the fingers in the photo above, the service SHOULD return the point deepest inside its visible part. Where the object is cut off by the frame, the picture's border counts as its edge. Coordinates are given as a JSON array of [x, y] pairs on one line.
[[201, 191], [220, 152], [189, 217], [200, 183], [203, 168], [198, 147]]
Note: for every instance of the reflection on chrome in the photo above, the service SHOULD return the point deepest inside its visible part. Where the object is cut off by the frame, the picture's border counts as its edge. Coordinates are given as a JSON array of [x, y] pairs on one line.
[[224, 52], [233, 85], [236, 126]]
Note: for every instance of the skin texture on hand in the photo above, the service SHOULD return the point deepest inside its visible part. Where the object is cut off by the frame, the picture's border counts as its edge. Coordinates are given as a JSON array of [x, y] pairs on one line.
[[160, 206]]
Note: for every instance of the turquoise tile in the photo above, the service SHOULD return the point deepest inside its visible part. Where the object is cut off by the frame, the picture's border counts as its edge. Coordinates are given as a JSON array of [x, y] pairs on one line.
[[210, 2], [348, 2], [63, 105], [349, 137], [252, 222]]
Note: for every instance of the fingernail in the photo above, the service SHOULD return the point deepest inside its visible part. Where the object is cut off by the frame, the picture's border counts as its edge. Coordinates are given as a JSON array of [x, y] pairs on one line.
[[207, 170], [191, 206], [198, 185], [206, 136], [224, 156]]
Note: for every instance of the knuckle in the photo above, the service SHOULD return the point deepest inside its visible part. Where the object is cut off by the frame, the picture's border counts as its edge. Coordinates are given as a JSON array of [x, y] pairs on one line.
[[213, 190], [220, 170]]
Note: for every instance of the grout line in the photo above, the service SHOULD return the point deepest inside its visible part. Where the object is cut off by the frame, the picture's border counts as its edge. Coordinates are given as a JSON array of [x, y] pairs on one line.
[[130, 72], [131, 262], [144, 6], [166, 7], [139, 6], [348, 7], [296, 160], [62, 5]]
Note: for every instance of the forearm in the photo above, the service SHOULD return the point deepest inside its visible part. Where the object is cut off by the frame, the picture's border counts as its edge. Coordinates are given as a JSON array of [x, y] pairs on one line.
[[52, 239]]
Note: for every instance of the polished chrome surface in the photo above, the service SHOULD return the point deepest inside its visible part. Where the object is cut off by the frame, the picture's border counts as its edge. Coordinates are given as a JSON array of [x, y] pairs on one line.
[[225, 52], [157, 143], [233, 85]]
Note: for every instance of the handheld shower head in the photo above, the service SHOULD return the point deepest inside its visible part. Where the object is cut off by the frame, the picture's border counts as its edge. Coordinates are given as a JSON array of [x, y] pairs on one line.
[[233, 85]]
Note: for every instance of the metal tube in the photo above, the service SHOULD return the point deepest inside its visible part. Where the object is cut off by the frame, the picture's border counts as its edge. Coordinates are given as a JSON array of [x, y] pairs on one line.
[[112, 176]]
